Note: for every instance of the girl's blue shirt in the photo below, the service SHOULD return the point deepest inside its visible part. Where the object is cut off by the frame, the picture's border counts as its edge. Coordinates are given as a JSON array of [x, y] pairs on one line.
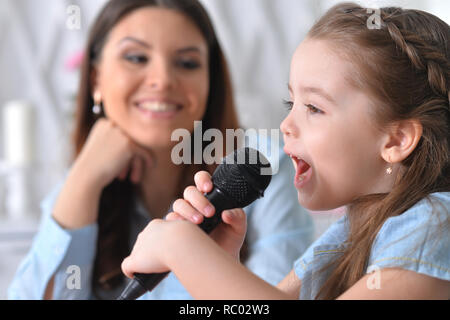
[[417, 240]]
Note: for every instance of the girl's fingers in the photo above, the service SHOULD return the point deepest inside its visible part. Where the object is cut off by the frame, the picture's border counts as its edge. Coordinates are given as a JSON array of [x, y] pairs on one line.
[[185, 210], [126, 267], [173, 216], [236, 219], [198, 201], [203, 181]]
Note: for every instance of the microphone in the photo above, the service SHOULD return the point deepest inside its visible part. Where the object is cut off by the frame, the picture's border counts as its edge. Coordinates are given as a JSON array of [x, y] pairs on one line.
[[239, 180]]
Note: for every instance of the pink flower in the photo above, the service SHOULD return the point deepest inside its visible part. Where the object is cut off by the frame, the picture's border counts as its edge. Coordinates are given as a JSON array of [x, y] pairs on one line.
[[74, 61]]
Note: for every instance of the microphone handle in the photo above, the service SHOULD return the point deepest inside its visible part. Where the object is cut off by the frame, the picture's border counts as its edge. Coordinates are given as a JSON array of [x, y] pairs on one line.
[[142, 282]]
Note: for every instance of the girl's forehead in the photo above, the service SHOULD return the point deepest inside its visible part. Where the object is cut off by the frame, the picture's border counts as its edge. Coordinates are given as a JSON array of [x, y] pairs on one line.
[[316, 63]]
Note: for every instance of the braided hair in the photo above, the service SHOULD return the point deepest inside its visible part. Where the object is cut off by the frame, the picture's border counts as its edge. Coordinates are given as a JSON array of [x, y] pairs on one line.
[[404, 66]]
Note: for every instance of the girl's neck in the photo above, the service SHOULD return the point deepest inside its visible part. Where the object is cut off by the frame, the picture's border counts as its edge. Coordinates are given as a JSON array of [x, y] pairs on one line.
[[160, 183]]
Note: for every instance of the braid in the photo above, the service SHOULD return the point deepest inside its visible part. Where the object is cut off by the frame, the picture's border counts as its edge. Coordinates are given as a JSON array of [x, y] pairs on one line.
[[424, 57], [422, 53]]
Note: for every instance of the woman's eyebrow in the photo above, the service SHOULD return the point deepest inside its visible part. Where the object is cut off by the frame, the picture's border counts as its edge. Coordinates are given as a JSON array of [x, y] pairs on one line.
[[140, 42], [146, 45], [189, 49]]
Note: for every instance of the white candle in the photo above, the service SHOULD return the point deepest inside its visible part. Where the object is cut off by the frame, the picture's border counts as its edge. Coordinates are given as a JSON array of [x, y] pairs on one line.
[[18, 124]]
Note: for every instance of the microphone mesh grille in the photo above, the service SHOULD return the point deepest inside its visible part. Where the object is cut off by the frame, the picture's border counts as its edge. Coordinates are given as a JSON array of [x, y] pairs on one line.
[[240, 176]]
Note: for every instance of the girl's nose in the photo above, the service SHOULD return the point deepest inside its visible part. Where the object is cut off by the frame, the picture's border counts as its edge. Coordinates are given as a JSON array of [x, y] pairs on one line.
[[288, 126]]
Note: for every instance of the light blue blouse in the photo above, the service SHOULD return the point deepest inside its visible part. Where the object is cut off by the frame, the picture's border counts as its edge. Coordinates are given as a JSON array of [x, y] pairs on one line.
[[417, 240], [279, 231]]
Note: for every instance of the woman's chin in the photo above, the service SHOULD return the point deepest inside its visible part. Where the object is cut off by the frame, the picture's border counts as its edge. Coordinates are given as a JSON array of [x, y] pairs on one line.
[[154, 141]]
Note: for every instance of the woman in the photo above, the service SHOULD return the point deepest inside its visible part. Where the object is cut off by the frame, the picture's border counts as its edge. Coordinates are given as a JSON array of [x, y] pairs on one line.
[[152, 66]]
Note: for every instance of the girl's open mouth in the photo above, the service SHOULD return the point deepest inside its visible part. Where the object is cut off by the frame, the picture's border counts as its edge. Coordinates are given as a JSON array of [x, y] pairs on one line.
[[303, 172]]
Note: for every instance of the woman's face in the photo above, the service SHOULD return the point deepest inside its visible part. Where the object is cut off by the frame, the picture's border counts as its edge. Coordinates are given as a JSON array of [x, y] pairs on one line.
[[153, 75], [330, 127]]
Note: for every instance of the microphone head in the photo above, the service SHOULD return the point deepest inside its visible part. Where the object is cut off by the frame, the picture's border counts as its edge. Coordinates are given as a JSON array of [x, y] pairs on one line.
[[243, 176]]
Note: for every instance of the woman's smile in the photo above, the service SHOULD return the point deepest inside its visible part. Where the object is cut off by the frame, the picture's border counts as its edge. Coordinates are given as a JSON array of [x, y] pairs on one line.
[[158, 109]]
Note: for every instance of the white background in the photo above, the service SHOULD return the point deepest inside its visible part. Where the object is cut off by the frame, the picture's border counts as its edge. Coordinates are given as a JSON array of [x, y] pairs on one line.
[[258, 37]]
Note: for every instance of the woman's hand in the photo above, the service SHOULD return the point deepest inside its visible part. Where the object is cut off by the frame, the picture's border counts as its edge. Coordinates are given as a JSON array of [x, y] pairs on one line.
[[109, 153], [195, 207]]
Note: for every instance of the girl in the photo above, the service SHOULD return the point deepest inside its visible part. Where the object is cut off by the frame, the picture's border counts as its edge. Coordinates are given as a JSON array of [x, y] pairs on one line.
[[368, 128], [152, 66]]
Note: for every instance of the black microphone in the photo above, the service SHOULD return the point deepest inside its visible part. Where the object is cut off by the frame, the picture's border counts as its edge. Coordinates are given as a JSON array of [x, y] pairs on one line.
[[239, 180]]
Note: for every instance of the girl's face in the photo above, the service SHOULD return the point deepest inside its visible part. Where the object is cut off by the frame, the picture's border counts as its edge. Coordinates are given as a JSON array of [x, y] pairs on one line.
[[153, 75], [329, 132]]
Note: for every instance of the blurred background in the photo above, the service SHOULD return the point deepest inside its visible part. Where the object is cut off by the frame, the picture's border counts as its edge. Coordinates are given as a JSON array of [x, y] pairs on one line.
[[40, 49]]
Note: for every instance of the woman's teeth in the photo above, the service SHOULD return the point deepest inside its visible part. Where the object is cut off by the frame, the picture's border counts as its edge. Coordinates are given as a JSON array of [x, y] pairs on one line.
[[158, 106]]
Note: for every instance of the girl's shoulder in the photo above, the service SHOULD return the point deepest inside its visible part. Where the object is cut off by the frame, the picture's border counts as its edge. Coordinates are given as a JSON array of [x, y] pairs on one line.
[[417, 240], [430, 212]]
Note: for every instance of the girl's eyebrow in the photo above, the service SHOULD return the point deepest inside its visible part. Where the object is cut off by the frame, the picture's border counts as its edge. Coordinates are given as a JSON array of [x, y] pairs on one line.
[[289, 88], [319, 91]]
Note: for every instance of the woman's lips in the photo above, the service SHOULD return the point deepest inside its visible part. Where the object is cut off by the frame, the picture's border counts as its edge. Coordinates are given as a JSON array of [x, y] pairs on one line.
[[158, 110]]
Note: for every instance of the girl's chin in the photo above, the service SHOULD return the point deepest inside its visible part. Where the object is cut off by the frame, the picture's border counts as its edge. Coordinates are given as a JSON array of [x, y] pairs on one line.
[[314, 203]]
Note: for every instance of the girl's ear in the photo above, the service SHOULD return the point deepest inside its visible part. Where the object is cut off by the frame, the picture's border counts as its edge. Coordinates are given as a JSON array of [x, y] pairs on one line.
[[401, 140]]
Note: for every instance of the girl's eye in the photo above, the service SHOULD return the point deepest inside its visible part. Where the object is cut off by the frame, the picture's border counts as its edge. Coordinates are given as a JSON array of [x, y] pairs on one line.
[[136, 58], [313, 109], [288, 104], [188, 64]]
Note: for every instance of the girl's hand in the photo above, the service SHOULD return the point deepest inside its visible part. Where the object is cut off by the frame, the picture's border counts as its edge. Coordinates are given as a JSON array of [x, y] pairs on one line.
[[194, 207], [109, 153], [148, 254]]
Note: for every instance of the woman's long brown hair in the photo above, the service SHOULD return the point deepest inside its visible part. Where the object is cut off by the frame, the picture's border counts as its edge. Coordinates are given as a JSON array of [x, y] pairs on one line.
[[116, 201], [404, 65]]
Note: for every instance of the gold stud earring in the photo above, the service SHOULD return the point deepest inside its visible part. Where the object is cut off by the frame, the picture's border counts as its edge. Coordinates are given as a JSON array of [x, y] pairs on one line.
[[389, 170]]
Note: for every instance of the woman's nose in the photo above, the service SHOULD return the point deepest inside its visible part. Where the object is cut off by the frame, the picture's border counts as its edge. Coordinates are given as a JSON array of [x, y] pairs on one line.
[[159, 76]]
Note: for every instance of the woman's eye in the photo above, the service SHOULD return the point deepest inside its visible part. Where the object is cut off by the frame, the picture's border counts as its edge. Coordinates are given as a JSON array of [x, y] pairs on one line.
[[136, 58], [188, 64], [313, 109], [288, 104]]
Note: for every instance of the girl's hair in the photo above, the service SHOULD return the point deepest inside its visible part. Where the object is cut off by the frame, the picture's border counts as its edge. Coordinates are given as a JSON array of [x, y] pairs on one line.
[[404, 64], [117, 199]]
